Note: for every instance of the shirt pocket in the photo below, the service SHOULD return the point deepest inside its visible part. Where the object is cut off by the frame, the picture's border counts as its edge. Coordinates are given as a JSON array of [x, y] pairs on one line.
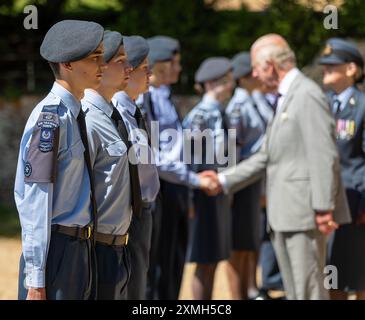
[[74, 152], [116, 149]]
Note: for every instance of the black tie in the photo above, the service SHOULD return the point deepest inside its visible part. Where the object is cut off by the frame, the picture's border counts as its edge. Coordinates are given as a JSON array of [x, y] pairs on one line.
[[83, 134], [133, 168], [225, 128], [148, 105], [336, 106], [141, 123]]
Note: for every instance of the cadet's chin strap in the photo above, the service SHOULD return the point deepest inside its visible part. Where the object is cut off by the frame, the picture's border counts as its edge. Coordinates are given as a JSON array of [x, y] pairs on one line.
[[83, 134]]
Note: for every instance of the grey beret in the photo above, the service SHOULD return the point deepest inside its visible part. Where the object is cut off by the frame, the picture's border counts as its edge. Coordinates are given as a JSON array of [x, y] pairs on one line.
[[241, 64], [212, 69], [137, 49], [170, 43], [71, 40], [112, 41], [162, 48]]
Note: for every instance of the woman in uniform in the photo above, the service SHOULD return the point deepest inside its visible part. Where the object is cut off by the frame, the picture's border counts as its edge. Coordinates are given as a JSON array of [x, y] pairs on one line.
[[343, 70], [244, 116], [211, 237]]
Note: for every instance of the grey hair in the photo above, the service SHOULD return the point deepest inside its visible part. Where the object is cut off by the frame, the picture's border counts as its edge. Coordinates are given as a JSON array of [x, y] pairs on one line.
[[283, 56]]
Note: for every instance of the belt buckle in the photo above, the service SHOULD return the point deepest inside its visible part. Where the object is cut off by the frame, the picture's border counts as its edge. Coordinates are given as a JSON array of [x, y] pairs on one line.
[[88, 232], [126, 238]]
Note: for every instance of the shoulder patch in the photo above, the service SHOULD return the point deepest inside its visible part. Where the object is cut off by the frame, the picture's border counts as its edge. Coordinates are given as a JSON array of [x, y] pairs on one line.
[[27, 169]]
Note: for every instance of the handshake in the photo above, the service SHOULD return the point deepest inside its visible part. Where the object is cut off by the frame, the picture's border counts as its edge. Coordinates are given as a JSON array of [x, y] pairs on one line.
[[209, 182]]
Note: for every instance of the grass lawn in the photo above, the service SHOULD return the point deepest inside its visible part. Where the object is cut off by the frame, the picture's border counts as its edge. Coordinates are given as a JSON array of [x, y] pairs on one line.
[[9, 222]]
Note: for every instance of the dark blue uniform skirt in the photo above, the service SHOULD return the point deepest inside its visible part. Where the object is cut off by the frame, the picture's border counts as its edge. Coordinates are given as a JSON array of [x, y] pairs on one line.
[[211, 228], [246, 218], [347, 249]]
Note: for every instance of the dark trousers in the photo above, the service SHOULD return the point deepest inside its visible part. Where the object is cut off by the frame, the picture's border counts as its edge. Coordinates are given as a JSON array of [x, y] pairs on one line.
[[139, 249], [154, 270], [68, 269], [270, 273], [173, 239], [114, 271]]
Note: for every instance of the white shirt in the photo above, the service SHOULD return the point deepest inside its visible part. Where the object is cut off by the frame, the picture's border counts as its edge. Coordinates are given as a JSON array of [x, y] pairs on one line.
[[285, 84]]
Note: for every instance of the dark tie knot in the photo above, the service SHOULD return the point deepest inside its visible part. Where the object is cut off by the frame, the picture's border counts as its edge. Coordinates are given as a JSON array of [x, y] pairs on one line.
[[116, 115], [336, 105], [81, 115], [138, 114]]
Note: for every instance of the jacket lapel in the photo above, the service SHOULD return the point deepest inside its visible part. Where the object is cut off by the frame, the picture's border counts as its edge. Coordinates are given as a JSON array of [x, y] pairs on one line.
[[288, 97]]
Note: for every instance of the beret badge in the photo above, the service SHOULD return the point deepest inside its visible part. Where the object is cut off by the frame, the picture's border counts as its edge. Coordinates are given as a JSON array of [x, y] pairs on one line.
[[327, 50]]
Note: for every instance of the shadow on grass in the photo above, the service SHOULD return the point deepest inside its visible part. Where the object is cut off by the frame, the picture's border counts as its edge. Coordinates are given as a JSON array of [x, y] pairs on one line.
[[9, 222]]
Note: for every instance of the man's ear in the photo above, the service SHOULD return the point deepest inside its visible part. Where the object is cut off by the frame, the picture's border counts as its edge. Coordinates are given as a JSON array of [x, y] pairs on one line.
[[67, 66]]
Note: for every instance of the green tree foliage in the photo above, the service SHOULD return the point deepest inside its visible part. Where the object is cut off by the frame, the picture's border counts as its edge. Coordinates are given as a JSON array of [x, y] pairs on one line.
[[201, 30]]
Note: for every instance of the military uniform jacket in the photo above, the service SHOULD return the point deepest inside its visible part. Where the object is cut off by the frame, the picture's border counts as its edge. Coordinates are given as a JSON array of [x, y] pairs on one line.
[[350, 136]]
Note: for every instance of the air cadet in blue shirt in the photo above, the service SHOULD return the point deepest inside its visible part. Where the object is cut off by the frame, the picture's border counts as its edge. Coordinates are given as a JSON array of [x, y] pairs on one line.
[[115, 180], [211, 229], [244, 116], [141, 227], [343, 69], [170, 225], [52, 186]]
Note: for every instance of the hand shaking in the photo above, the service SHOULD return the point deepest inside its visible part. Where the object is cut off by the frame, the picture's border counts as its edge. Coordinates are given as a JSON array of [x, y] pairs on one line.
[[209, 183]]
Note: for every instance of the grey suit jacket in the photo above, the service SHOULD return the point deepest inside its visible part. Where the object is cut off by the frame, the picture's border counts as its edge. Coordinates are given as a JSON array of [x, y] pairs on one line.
[[300, 157]]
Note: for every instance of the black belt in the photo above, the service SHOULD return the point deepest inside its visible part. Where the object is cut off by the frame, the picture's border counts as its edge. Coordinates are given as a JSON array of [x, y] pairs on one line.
[[112, 240], [82, 233]]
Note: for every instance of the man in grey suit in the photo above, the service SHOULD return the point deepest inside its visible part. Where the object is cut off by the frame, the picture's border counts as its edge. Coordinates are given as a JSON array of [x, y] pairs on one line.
[[304, 191]]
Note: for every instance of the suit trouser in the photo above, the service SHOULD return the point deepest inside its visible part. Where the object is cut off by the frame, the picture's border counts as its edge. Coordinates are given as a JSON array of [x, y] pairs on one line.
[[68, 269], [139, 249], [173, 239], [114, 271], [270, 273], [301, 257]]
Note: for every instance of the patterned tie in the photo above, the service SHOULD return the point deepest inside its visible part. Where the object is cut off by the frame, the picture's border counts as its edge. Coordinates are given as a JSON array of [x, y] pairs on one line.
[[274, 104], [133, 168]]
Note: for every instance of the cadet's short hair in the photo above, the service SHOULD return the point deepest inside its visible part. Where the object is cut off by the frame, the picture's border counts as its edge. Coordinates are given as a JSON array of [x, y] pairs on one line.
[[55, 67]]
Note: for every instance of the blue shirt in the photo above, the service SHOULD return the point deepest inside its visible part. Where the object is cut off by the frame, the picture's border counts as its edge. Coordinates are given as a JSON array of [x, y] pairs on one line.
[[243, 115], [207, 115], [65, 202], [169, 156], [147, 171], [343, 97], [109, 159]]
